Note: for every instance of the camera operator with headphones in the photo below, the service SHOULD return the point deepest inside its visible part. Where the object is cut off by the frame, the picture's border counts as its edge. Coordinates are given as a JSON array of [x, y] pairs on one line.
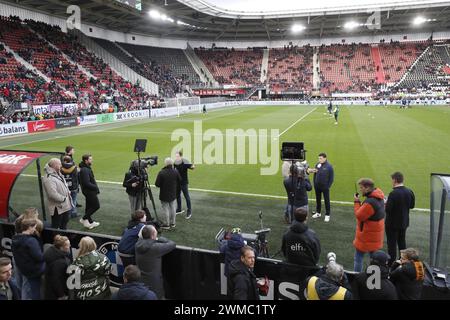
[[134, 184]]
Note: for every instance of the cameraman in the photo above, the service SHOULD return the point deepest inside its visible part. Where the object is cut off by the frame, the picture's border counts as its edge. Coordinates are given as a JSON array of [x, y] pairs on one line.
[[296, 185], [134, 186]]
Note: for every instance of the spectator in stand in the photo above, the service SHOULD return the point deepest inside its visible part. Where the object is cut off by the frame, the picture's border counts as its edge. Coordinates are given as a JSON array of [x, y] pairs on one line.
[[133, 288], [29, 259], [242, 283], [30, 213], [369, 221], [365, 286], [398, 204], [131, 235], [408, 274], [58, 194], [8, 286], [149, 252], [300, 244], [57, 259], [93, 268]]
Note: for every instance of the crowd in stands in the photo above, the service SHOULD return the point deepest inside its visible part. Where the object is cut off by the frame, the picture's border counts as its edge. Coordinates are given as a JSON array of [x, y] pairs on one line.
[[74, 72], [232, 66], [291, 69]]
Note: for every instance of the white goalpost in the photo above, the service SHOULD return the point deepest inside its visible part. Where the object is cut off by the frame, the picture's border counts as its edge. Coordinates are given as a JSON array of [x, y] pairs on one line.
[[184, 104]]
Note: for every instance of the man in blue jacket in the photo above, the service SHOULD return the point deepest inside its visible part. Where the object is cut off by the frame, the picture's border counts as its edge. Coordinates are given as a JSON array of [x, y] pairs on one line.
[[323, 179]]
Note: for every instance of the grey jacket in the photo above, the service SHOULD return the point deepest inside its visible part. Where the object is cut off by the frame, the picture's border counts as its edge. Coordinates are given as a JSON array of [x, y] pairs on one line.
[[58, 194], [148, 258]]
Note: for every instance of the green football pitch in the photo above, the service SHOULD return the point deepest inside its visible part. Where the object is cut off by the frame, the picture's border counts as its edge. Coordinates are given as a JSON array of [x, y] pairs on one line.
[[367, 142]]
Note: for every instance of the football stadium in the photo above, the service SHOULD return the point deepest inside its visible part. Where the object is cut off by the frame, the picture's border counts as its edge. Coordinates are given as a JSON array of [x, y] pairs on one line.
[[224, 150]]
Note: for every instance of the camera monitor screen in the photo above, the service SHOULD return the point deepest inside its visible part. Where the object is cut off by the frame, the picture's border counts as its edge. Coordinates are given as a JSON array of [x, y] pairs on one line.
[[292, 151]]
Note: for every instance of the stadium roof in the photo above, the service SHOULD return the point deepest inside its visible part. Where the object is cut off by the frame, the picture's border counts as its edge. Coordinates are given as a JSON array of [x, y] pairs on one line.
[[209, 20]]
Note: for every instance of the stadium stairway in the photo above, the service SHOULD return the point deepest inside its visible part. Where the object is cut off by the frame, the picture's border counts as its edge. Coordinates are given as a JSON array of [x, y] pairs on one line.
[[264, 65], [316, 70], [379, 71], [198, 65]]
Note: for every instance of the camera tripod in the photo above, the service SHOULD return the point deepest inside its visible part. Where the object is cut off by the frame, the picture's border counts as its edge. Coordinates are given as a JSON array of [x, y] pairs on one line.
[[260, 244], [141, 198]]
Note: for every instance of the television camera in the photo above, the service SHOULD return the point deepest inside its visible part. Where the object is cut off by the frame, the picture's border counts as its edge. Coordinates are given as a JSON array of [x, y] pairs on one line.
[[257, 240]]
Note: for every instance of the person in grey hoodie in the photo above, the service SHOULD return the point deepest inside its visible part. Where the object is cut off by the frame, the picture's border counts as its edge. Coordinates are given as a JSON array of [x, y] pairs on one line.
[[149, 251]]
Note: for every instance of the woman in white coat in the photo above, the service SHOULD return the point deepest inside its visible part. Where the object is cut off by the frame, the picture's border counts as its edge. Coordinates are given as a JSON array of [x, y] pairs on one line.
[[58, 194]]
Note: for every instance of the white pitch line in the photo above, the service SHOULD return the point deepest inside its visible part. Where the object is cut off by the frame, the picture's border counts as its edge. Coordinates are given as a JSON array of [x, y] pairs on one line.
[[239, 193], [303, 117]]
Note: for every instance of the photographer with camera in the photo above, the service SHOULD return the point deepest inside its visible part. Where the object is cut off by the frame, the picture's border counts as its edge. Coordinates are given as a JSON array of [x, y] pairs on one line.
[[300, 244], [134, 185], [297, 186]]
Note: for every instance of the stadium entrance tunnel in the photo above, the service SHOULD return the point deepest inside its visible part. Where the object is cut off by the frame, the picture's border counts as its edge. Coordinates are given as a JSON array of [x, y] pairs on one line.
[[21, 181], [196, 274]]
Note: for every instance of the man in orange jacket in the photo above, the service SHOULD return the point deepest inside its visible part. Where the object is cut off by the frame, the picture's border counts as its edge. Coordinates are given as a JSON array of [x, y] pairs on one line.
[[369, 221]]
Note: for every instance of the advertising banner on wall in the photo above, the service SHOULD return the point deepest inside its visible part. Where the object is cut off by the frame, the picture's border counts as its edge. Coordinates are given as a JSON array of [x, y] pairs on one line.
[[41, 125], [130, 115], [49, 108], [13, 128], [66, 122], [85, 120], [105, 118]]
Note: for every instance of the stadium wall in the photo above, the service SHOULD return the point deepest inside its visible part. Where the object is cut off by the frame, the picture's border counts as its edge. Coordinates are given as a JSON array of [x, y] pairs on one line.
[[7, 9]]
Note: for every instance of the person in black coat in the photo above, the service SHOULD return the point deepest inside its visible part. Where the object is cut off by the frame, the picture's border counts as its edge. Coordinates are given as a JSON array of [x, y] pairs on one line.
[[169, 182], [28, 257], [386, 291], [297, 186], [323, 179], [408, 274], [300, 244], [398, 204], [70, 172], [133, 288], [57, 259], [90, 191], [8, 286], [134, 184], [241, 282]]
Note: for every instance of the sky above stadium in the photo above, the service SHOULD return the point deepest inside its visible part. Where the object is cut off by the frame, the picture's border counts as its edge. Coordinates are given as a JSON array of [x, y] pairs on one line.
[[284, 5]]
